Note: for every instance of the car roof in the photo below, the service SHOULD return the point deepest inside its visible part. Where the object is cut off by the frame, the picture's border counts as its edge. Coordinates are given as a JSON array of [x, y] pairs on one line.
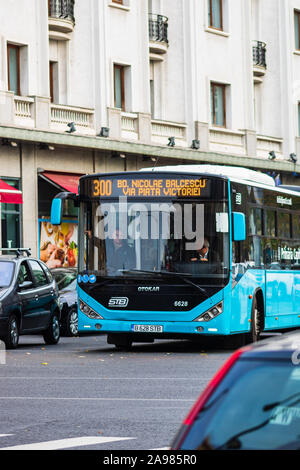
[[280, 346], [13, 258]]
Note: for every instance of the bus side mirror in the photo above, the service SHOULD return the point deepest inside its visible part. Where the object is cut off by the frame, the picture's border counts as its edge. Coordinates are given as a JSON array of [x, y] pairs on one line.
[[239, 226], [56, 211], [57, 206]]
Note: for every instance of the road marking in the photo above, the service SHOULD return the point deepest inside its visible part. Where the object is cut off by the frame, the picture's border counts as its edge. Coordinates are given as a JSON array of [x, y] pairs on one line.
[[5, 435], [67, 443], [100, 399], [161, 448], [105, 378]]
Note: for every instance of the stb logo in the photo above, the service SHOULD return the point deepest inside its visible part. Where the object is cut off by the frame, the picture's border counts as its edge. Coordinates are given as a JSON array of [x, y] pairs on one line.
[[2, 353], [120, 302]]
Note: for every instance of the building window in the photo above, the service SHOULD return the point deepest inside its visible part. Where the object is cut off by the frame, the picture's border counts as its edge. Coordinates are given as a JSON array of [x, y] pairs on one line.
[[297, 29], [215, 14], [13, 68], [11, 220], [53, 82], [218, 105], [119, 88]]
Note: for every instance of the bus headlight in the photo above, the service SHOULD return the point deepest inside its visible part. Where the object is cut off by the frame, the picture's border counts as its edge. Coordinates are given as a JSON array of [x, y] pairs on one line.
[[211, 313], [88, 311]]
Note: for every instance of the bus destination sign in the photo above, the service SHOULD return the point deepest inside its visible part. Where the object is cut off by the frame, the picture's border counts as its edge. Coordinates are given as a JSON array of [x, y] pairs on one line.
[[151, 187]]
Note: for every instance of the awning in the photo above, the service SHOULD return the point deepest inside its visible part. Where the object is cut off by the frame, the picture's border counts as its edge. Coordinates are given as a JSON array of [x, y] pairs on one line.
[[66, 181], [9, 194]]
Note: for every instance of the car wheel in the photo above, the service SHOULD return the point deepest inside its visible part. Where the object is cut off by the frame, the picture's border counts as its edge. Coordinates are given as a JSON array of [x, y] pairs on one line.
[[70, 325], [11, 339], [52, 334]]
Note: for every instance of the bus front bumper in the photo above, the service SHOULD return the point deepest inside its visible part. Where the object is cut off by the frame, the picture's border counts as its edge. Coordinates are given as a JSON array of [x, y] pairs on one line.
[[156, 329]]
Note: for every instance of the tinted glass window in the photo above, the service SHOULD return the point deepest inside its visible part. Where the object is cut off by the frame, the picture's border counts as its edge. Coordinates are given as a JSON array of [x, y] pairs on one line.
[[296, 226], [39, 275], [257, 406], [48, 273], [284, 225], [63, 280], [255, 221], [24, 274], [6, 273], [270, 223]]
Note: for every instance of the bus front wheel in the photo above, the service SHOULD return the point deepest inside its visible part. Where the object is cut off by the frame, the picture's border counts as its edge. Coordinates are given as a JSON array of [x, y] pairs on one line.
[[121, 341], [256, 322]]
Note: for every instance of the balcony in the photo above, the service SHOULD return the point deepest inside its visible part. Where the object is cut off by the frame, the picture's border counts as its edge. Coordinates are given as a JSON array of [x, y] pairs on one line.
[[158, 35], [83, 119], [259, 51], [61, 18]]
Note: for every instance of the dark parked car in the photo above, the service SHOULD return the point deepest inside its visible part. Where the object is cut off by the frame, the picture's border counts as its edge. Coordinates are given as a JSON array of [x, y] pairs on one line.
[[66, 280], [29, 299], [253, 403]]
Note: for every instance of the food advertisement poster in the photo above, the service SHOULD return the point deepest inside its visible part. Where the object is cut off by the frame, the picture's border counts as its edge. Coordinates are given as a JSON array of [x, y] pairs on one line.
[[58, 244]]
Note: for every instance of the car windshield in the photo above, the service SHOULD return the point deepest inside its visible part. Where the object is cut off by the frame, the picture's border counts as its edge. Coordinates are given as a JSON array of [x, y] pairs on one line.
[[6, 273], [64, 279], [155, 238], [256, 407]]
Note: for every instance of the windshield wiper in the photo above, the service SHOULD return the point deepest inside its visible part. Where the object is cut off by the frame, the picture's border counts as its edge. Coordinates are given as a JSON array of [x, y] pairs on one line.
[[182, 276], [235, 443]]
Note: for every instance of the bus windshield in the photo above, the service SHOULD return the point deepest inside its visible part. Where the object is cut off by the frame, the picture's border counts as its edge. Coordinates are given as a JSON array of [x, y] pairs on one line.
[[128, 238]]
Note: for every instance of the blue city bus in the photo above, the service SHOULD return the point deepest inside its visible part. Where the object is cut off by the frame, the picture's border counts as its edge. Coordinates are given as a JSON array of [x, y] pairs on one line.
[[187, 251]]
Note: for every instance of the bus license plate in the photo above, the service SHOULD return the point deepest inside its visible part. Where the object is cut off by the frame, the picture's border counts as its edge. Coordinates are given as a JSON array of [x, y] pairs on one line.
[[147, 328]]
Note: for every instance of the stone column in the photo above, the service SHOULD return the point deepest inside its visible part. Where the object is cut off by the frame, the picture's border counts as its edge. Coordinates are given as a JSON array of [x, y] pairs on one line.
[[7, 108], [144, 128], [251, 143], [114, 123], [202, 134], [42, 112], [30, 198]]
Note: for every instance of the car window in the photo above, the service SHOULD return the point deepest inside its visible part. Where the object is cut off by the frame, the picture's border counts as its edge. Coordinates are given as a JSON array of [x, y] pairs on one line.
[[6, 273], [257, 406], [24, 274], [64, 279], [38, 273], [48, 272]]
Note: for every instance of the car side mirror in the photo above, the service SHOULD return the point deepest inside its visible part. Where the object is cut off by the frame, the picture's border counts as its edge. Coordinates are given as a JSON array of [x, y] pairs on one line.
[[25, 285], [239, 226]]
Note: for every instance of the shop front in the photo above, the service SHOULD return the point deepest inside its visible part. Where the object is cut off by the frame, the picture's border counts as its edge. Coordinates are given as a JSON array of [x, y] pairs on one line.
[[57, 244]]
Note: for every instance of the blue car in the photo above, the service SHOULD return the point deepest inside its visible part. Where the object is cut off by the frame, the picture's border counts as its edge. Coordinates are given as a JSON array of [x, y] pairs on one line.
[[253, 402]]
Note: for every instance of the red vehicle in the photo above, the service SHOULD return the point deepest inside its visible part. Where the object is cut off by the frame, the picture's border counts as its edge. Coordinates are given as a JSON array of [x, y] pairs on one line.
[[253, 402]]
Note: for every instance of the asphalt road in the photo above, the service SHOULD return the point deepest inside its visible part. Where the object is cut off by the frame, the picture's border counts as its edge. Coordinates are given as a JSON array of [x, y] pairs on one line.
[[84, 394]]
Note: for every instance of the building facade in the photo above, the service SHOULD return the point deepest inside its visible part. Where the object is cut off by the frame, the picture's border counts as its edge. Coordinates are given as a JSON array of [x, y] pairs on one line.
[[112, 85]]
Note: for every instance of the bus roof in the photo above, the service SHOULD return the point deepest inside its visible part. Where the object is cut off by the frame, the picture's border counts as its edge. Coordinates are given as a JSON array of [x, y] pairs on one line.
[[237, 174]]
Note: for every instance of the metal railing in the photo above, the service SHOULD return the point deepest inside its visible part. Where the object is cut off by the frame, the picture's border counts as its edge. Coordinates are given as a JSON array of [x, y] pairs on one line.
[[158, 28], [259, 54], [62, 9]]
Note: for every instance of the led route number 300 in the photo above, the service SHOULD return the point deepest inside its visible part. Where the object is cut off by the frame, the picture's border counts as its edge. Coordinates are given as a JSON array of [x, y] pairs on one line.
[[102, 188]]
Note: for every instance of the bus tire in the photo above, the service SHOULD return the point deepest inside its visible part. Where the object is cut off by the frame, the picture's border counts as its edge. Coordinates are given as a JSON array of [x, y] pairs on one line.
[[121, 341], [256, 321], [233, 342]]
